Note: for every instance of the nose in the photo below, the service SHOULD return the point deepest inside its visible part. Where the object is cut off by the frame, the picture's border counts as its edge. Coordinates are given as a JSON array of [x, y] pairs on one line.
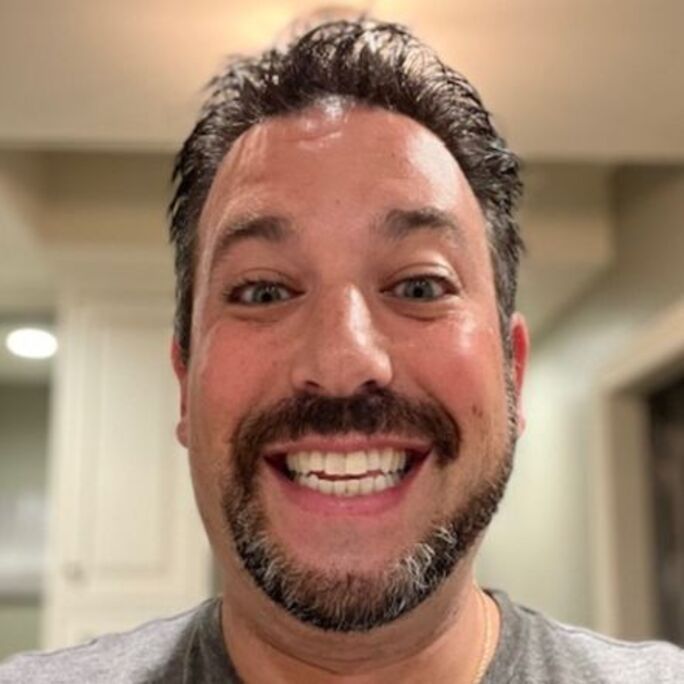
[[341, 352]]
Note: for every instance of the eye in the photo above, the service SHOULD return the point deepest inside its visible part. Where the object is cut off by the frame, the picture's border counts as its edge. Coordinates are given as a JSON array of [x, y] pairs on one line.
[[258, 293], [423, 288]]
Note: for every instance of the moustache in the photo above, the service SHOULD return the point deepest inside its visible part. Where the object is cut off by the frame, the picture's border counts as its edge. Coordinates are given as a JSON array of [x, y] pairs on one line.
[[375, 411]]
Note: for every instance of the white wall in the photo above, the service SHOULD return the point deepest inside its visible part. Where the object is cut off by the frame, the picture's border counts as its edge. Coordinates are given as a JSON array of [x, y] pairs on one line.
[[539, 548]]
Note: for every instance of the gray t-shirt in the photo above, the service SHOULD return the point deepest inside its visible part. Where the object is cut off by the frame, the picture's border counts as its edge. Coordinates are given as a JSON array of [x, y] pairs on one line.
[[189, 648]]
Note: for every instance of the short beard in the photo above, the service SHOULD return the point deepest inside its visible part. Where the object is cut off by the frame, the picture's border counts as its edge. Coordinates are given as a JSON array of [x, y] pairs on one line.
[[354, 602]]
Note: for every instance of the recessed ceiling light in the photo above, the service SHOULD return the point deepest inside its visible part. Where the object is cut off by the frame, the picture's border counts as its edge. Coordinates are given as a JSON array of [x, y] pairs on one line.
[[31, 343]]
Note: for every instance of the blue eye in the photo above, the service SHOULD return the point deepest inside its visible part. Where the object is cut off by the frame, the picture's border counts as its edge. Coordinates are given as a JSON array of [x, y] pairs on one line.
[[423, 288], [258, 293]]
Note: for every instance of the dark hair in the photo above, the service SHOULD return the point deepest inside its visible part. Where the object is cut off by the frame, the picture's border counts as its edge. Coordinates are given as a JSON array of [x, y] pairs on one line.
[[366, 61]]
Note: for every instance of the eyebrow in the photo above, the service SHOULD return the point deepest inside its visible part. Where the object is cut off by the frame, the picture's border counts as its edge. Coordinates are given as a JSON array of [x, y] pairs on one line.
[[396, 224], [274, 229], [400, 223]]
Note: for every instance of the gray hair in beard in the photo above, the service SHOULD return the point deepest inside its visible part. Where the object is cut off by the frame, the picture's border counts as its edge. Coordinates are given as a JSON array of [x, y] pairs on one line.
[[348, 602]]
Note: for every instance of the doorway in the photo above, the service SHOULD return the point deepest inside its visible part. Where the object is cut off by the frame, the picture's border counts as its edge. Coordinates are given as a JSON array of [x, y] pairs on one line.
[[666, 409], [637, 577]]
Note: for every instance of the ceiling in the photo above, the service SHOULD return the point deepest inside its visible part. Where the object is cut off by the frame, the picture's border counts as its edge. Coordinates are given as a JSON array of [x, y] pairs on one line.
[[567, 79]]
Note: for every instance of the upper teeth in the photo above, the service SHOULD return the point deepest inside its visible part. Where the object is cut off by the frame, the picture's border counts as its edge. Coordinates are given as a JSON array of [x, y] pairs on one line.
[[356, 463]]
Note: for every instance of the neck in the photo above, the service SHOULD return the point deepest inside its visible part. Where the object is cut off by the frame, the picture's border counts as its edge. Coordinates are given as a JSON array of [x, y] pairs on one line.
[[449, 638]]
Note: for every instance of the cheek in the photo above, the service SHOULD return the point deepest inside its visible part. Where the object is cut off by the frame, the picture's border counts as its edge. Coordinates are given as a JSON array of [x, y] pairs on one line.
[[229, 379], [459, 364]]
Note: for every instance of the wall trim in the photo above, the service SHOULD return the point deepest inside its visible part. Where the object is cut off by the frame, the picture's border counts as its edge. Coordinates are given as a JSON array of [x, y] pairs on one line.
[[623, 567]]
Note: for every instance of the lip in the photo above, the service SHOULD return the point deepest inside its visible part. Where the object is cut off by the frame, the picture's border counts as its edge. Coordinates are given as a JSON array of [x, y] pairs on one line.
[[310, 501]]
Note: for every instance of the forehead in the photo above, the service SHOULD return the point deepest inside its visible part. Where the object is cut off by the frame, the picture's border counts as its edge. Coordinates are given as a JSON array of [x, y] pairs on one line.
[[334, 158]]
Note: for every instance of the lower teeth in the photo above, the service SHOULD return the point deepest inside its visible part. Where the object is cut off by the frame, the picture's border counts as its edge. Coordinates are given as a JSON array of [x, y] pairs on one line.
[[351, 486]]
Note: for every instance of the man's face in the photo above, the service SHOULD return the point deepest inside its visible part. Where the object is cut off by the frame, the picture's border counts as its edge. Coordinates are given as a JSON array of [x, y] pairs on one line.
[[347, 406]]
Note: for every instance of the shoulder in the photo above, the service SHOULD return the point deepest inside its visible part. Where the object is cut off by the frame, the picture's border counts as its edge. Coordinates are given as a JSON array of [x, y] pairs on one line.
[[540, 649], [137, 655], [592, 657]]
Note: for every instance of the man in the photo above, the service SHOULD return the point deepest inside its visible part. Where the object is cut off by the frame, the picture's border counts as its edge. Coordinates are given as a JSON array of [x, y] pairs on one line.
[[351, 365]]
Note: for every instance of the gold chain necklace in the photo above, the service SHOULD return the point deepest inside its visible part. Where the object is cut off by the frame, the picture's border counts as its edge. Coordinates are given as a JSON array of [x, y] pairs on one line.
[[487, 645]]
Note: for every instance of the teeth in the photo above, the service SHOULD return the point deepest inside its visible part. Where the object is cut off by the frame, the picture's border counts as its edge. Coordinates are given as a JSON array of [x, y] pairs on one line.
[[357, 463], [349, 487], [333, 464], [339, 487], [353, 487], [348, 474], [386, 459], [312, 460], [373, 460]]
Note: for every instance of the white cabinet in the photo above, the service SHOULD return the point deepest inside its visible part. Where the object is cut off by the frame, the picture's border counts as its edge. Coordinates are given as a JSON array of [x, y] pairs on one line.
[[126, 543]]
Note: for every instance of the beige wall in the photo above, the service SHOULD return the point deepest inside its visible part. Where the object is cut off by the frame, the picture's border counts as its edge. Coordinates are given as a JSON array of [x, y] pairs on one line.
[[540, 546], [102, 199]]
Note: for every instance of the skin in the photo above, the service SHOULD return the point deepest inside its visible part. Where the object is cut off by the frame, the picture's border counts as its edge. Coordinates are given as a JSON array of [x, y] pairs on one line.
[[346, 321]]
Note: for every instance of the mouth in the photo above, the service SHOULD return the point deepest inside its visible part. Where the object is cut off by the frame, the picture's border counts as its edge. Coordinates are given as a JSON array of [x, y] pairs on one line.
[[348, 473]]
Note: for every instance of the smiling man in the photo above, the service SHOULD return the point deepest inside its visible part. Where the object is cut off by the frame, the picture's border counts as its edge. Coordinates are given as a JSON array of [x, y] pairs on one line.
[[348, 403], [351, 365]]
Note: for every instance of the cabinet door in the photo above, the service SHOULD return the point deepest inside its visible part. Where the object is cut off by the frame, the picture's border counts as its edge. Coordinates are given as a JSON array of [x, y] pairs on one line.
[[126, 538]]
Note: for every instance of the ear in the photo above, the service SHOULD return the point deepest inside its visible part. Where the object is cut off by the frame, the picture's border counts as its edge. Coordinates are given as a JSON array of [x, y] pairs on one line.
[[520, 349], [181, 370]]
